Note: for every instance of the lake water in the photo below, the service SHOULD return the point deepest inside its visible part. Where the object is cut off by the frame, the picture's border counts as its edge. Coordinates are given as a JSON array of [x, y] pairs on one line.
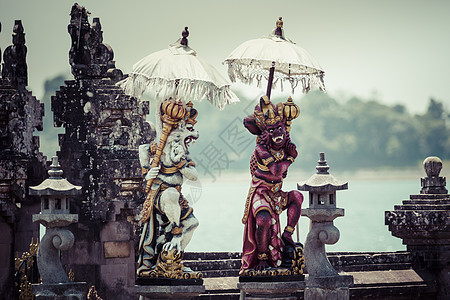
[[219, 207]]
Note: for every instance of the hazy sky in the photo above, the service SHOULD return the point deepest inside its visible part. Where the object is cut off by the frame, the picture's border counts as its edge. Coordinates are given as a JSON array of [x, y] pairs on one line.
[[397, 51]]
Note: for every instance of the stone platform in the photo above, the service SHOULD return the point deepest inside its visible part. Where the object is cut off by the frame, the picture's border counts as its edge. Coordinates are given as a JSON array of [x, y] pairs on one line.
[[377, 275], [270, 290], [169, 291]]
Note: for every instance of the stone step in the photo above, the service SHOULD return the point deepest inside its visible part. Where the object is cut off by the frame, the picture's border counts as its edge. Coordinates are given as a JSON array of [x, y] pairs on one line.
[[393, 292], [220, 264], [430, 197], [421, 206], [374, 267], [220, 273], [426, 202], [211, 255], [225, 264], [424, 218], [219, 296]]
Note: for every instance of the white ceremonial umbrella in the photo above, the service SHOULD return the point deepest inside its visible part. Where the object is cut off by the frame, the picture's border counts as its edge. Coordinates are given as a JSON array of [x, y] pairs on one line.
[[275, 56], [179, 73]]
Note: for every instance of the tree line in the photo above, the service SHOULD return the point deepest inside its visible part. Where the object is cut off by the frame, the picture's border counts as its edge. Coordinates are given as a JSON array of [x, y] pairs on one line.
[[366, 134]]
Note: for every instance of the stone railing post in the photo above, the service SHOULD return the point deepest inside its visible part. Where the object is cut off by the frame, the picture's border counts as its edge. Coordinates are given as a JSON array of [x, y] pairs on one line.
[[323, 281]]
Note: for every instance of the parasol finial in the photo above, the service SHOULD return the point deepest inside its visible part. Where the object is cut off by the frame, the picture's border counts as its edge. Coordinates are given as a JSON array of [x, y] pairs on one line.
[[279, 29], [185, 34]]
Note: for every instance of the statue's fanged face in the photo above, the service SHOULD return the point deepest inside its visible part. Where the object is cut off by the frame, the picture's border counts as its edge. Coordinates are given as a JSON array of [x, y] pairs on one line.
[[184, 135], [277, 134]]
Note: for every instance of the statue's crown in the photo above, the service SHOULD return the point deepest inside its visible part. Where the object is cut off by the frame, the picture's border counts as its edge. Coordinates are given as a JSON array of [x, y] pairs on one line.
[[173, 111], [266, 113]]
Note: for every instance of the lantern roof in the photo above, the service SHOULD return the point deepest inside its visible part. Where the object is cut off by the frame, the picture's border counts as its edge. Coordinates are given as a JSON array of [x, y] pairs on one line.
[[55, 185], [322, 181]]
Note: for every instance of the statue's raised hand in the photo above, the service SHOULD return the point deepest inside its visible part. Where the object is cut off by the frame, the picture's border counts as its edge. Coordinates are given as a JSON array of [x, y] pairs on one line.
[[291, 150]]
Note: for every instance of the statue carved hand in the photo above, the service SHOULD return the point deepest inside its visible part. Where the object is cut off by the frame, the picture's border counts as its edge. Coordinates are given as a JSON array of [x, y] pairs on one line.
[[152, 173], [175, 243], [261, 266], [291, 150]]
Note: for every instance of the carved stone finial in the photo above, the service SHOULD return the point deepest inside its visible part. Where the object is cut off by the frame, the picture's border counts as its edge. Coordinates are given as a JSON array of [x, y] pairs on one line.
[[79, 30], [185, 34], [322, 168], [14, 57], [88, 55], [433, 183], [432, 166], [18, 33], [55, 171]]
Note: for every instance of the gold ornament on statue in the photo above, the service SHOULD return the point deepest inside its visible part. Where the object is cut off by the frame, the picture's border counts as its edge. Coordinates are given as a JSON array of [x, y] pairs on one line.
[[290, 112], [280, 22], [170, 265]]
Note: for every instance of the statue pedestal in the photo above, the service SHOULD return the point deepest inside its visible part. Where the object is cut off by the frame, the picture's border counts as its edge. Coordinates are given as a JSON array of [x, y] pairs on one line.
[[328, 287], [71, 290], [169, 291], [270, 290]]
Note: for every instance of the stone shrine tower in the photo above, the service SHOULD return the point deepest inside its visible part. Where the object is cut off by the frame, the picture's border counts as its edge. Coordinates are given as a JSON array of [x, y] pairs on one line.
[[423, 223], [21, 163], [99, 151]]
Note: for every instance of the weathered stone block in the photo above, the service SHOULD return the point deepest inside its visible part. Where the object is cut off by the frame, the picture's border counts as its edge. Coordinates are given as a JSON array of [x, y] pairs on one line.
[[5, 252], [84, 253], [116, 249], [324, 294], [116, 231]]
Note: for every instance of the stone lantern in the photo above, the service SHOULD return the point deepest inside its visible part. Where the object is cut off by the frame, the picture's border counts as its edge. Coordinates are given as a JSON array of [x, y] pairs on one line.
[[323, 281], [55, 216]]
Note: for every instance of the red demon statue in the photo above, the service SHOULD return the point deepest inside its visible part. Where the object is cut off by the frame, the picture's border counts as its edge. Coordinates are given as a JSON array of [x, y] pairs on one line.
[[265, 248]]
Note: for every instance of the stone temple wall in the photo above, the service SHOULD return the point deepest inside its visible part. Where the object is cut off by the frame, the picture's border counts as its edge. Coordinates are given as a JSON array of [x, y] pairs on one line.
[[21, 163], [99, 151]]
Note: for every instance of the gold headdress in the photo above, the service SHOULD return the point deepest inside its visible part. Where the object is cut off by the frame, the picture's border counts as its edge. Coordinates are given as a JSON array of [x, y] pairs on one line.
[[268, 114]]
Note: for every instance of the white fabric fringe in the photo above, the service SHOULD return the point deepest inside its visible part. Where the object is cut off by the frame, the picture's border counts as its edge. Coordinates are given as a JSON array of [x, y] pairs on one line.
[[136, 84], [247, 70]]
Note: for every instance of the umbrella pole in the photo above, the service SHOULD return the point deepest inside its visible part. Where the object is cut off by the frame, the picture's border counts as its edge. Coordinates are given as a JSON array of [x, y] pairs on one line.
[[148, 203], [270, 81]]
